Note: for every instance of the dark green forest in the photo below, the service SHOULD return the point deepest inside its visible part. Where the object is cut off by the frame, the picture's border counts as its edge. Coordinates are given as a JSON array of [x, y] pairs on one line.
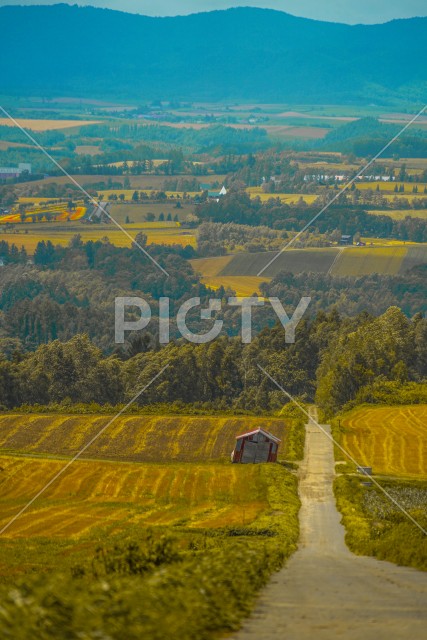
[[57, 335]]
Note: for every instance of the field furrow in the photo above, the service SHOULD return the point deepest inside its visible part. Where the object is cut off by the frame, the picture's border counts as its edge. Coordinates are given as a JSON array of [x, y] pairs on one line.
[[392, 440]]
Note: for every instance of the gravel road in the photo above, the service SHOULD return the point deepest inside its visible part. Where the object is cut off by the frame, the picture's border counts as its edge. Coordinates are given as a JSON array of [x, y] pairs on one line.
[[325, 591]]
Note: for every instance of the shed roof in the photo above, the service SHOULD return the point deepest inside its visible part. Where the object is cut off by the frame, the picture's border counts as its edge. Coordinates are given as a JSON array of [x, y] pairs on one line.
[[259, 430]]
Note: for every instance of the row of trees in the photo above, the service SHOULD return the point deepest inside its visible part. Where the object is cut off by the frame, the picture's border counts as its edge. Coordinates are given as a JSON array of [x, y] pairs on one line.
[[333, 360], [238, 207]]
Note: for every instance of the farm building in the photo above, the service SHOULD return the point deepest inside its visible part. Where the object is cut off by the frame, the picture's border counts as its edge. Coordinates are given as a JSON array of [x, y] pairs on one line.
[[216, 195], [14, 172], [255, 446]]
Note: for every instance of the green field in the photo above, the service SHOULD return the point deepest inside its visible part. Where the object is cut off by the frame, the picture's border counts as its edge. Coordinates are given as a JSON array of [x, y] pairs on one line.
[[293, 260], [137, 212]]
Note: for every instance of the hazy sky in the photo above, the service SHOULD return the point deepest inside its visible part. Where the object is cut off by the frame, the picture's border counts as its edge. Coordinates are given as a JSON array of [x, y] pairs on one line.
[[350, 11]]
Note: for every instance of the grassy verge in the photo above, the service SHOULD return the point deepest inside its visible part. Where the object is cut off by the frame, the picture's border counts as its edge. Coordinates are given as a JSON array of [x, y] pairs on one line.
[[376, 527], [295, 438], [161, 583]]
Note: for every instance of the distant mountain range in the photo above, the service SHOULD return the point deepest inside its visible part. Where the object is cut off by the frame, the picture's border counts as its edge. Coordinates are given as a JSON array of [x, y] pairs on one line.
[[242, 53]]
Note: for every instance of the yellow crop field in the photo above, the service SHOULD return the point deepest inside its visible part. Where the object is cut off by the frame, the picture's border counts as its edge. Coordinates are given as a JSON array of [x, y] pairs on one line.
[[7, 144], [391, 440], [242, 285], [210, 267], [138, 438], [93, 494], [390, 187], [116, 237], [36, 199], [148, 470], [288, 198], [407, 196], [359, 261], [152, 225], [389, 242], [401, 214], [46, 125]]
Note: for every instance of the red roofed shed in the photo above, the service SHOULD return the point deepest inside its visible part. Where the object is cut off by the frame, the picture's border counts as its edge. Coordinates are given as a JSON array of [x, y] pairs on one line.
[[255, 446]]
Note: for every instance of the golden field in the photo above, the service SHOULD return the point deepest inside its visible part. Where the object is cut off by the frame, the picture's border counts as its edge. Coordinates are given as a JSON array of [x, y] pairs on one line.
[[58, 213], [210, 267], [136, 438], [115, 236], [401, 214], [145, 470], [359, 261], [244, 286], [391, 440], [286, 198], [95, 494], [46, 125], [389, 187]]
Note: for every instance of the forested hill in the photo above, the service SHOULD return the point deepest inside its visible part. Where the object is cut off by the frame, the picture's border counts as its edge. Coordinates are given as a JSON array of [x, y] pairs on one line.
[[242, 53]]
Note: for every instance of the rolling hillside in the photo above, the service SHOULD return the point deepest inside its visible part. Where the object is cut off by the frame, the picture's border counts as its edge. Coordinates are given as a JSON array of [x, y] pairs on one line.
[[240, 53], [351, 261]]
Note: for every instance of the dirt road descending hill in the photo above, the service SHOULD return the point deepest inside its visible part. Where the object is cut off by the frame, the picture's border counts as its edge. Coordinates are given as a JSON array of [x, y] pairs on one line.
[[326, 592]]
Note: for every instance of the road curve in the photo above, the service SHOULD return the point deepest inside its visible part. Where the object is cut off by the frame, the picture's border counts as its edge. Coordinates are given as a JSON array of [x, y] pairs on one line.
[[325, 591]]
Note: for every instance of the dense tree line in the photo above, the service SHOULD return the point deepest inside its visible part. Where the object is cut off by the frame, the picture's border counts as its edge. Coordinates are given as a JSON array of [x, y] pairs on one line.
[[217, 239], [239, 208], [365, 137], [338, 357], [71, 290], [10, 254], [351, 295]]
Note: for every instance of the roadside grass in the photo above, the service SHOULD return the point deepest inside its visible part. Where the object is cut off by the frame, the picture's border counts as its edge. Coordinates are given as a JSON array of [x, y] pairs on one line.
[[392, 440], [295, 435], [376, 527]]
